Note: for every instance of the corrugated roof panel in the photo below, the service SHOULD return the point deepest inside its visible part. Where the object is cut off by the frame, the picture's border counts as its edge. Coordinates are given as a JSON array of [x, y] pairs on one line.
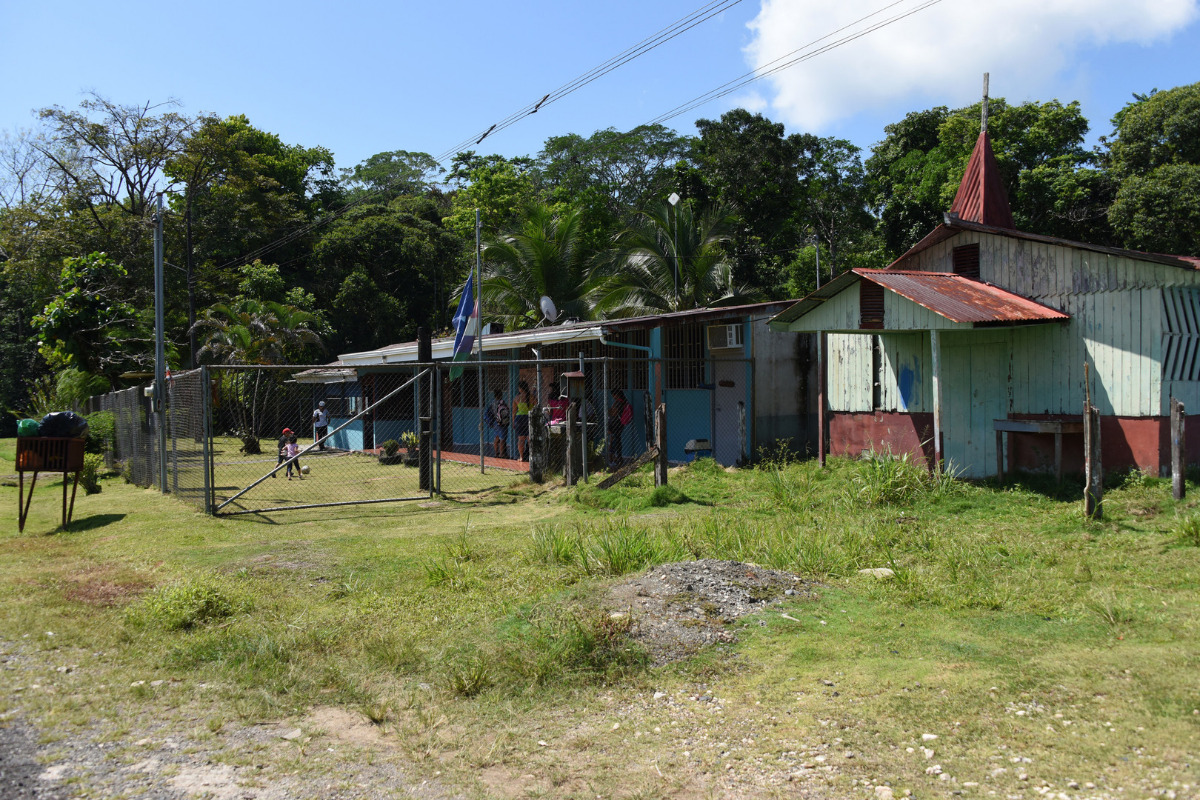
[[961, 299]]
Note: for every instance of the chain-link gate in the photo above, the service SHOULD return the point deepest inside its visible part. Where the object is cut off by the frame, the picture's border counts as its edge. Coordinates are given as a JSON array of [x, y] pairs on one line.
[[246, 440]]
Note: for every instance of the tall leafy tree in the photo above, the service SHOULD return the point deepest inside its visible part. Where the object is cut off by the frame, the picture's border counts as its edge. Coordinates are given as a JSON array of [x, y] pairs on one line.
[[671, 259], [1155, 158], [750, 166], [1054, 184], [392, 173], [499, 187]]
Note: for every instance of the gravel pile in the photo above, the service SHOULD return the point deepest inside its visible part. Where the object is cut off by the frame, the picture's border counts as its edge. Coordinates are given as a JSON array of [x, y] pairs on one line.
[[677, 609]]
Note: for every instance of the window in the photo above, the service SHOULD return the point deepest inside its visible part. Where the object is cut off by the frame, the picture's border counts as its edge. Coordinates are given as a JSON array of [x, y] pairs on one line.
[[966, 261], [870, 305], [683, 348], [1181, 337]]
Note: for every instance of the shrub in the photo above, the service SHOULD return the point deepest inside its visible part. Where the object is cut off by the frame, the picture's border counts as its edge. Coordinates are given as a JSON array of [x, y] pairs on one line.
[[102, 431], [93, 464], [409, 438], [185, 604], [391, 447]]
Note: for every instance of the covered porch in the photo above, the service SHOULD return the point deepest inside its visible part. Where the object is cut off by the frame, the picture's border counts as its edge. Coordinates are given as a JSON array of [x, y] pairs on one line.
[[918, 363]]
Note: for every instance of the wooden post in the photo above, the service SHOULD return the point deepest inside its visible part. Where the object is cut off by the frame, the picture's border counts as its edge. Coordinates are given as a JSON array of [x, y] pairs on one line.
[[537, 444], [569, 471], [935, 347], [821, 352], [660, 442], [1178, 451], [1093, 491]]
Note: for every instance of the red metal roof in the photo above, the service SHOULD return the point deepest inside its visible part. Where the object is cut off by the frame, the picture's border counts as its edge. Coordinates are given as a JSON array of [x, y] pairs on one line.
[[981, 196], [960, 299]]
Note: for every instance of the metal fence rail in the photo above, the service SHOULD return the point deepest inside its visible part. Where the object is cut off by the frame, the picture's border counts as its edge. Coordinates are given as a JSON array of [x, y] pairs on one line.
[[408, 431]]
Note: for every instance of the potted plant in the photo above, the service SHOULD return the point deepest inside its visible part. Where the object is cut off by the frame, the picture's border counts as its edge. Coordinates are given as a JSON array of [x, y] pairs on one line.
[[411, 447], [390, 454]]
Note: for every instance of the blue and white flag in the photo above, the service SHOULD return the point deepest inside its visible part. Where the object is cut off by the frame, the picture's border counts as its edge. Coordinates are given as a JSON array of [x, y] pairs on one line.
[[466, 325]]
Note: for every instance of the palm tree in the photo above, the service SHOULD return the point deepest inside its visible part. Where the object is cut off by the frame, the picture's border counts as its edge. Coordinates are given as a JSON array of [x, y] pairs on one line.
[[671, 260], [545, 256], [251, 332]]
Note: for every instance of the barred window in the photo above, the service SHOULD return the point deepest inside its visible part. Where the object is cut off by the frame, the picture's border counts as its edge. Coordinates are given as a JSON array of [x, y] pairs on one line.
[[683, 347]]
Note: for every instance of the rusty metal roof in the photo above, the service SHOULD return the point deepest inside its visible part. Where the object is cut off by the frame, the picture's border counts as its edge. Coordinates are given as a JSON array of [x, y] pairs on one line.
[[961, 299], [952, 296], [981, 195]]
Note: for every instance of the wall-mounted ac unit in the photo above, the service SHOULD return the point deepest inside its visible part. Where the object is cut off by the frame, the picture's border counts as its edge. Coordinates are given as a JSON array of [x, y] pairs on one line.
[[724, 337]]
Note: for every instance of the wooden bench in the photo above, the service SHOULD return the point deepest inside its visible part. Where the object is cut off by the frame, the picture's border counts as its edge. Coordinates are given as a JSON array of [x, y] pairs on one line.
[[1055, 426]]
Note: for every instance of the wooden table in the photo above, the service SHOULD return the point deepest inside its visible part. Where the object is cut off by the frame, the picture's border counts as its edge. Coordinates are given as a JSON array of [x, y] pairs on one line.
[[1055, 426]]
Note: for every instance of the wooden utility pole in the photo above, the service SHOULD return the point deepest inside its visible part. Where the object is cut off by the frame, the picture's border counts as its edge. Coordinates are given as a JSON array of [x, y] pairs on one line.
[[1178, 450], [537, 444]]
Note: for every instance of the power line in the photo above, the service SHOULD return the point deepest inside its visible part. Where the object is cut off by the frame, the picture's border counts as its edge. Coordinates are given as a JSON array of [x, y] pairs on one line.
[[686, 23]]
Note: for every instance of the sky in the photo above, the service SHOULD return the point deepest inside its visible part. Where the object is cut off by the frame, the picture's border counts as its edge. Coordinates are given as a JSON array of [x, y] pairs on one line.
[[363, 77]]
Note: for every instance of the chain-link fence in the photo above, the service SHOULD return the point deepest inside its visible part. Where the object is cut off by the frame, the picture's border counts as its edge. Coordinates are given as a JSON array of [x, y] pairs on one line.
[[259, 439]]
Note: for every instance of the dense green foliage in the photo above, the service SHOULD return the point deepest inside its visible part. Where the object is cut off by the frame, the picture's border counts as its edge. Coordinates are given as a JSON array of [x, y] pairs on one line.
[[261, 233]]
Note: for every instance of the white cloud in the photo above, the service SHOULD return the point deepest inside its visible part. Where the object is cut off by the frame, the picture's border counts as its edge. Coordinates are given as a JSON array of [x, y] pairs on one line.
[[941, 52]]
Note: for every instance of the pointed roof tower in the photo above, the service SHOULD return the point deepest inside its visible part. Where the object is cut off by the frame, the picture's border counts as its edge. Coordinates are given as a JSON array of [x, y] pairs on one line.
[[981, 195]]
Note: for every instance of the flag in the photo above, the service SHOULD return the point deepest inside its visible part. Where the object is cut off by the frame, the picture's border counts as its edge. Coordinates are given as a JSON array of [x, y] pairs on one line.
[[466, 326]]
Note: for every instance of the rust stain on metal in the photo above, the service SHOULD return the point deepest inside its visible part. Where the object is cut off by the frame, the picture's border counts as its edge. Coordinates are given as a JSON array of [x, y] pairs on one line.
[[961, 299]]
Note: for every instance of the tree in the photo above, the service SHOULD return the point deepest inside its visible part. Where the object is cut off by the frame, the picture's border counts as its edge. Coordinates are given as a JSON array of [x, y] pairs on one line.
[[392, 173], [752, 168], [1054, 184], [251, 332], [1155, 159], [386, 267], [610, 173], [544, 256], [89, 324], [499, 187], [833, 192], [671, 259]]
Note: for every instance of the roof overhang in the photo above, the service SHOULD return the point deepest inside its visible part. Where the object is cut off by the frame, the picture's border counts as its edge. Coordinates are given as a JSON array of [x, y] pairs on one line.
[[957, 299]]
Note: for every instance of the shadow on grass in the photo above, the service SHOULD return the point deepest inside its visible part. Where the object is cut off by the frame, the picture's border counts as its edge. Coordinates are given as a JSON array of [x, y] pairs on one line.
[[91, 523], [1069, 489]]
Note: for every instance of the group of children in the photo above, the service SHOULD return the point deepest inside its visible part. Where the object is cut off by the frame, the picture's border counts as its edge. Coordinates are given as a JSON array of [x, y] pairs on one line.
[[496, 417], [289, 448]]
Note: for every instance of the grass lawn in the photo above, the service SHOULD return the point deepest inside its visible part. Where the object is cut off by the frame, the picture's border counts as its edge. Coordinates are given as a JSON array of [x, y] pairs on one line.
[[1018, 651]]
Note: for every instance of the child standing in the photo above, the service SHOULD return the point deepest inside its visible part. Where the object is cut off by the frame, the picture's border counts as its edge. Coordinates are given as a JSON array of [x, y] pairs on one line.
[[291, 450]]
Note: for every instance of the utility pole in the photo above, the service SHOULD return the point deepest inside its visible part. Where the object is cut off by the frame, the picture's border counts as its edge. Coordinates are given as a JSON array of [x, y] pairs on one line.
[[160, 356]]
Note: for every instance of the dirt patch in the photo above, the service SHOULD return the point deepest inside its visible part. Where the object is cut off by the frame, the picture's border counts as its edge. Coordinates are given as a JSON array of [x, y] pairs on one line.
[[677, 609], [105, 593], [344, 725]]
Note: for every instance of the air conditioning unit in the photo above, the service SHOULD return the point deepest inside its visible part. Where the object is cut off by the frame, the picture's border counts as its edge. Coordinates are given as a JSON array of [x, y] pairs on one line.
[[724, 337]]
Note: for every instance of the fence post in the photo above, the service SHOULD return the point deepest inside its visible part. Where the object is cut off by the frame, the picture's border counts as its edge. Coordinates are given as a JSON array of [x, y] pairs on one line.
[[424, 397], [606, 449], [437, 415], [537, 444], [1093, 493], [569, 467], [742, 455], [206, 436], [660, 441], [1178, 450]]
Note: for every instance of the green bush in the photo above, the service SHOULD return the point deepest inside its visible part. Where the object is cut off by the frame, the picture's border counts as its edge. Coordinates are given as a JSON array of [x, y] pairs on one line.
[[102, 432], [391, 447], [93, 465], [185, 604]]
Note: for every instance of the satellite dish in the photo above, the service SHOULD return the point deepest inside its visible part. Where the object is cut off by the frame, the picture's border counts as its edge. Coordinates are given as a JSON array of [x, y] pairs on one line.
[[548, 309]]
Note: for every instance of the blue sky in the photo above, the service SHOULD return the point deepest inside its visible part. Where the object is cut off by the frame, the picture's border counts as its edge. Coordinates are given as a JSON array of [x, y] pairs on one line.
[[362, 77]]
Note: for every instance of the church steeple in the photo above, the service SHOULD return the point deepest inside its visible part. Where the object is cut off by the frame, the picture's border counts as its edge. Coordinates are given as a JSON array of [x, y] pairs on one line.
[[981, 195]]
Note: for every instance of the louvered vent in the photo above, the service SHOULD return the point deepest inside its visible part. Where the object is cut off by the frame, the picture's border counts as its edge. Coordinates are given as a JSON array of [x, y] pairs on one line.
[[1181, 337], [870, 305], [966, 261]]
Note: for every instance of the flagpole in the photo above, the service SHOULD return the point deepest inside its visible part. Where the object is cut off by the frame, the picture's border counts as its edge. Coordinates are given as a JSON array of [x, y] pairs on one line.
[[479, 331]]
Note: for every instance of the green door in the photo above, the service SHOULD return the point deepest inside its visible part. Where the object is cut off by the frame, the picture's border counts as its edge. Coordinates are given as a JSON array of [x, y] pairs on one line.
[[974, 395]]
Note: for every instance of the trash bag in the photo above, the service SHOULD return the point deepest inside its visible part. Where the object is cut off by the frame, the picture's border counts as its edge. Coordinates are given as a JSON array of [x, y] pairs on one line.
[[64, 423], [28, 427]]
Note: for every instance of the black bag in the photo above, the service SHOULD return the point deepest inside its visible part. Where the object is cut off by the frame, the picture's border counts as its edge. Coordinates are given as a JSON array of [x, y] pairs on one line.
[[66, 424]]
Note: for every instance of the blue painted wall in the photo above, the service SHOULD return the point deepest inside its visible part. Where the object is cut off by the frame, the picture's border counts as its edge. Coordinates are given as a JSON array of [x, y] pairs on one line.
[[689, 416], [350, 437]]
